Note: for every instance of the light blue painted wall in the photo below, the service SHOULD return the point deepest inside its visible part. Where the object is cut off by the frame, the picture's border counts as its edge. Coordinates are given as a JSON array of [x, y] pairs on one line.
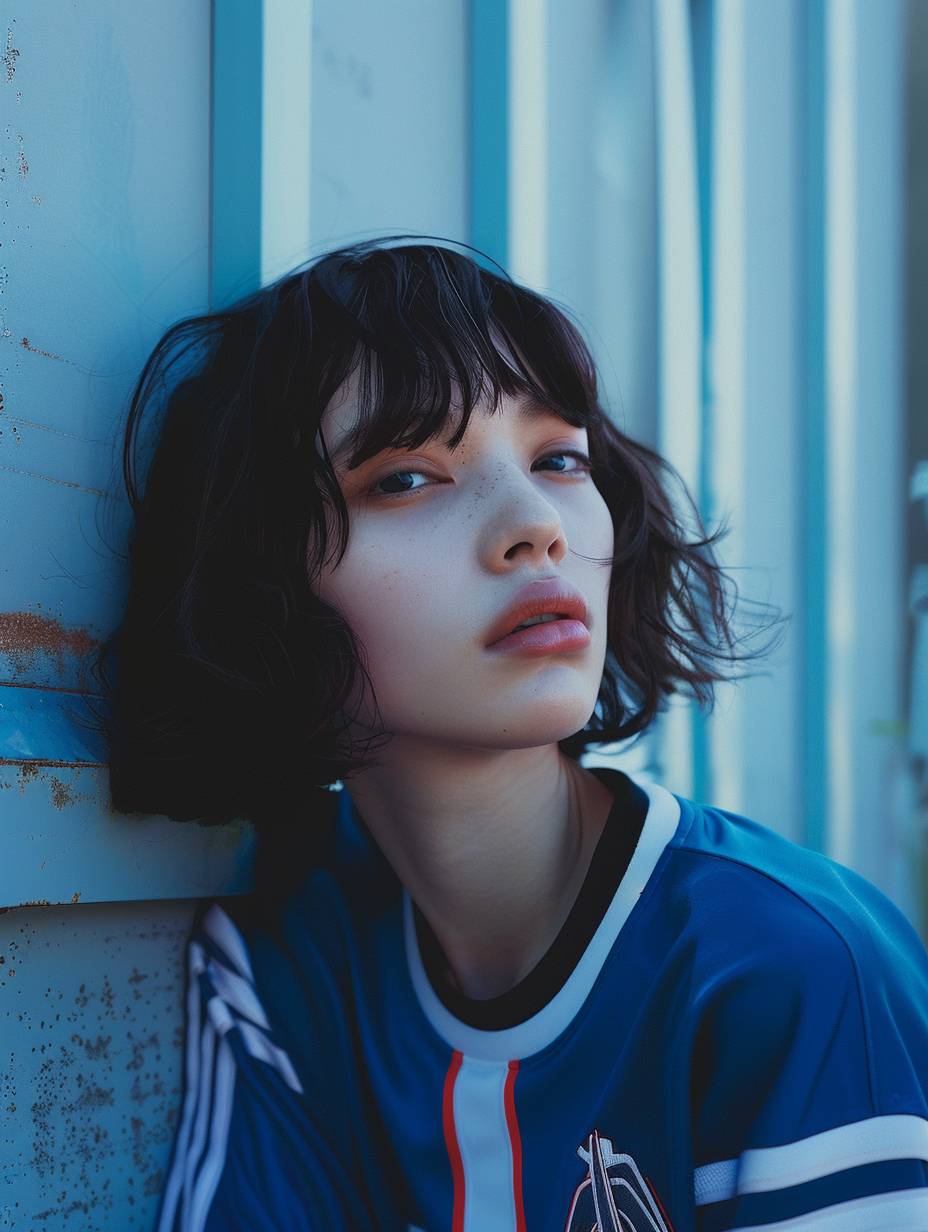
[[104, 231], [390, 120], [133, 152]]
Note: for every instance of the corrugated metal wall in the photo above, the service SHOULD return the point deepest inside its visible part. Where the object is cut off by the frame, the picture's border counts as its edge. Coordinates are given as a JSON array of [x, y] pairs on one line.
[[105, 240], [159, 160]]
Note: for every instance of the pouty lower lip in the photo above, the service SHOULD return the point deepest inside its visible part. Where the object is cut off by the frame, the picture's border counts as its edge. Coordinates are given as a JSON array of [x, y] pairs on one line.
[[546, 638]]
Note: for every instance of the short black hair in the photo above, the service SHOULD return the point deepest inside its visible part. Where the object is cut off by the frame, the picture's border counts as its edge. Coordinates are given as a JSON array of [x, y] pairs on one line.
[[227, 679]]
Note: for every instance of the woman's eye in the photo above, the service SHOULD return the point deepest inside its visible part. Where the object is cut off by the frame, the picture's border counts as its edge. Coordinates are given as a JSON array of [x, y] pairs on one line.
[[400, 475], [570, 453], [374, 489]]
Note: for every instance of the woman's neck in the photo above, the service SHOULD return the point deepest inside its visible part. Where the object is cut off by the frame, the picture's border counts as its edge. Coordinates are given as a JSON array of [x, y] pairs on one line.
[[492, 847]]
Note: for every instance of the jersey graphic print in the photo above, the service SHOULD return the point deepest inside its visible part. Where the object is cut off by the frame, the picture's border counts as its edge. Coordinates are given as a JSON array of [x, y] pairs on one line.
[[614, 1197]]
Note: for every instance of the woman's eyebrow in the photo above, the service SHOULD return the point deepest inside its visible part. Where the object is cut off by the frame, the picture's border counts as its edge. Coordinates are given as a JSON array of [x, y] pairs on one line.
[[528, 408]]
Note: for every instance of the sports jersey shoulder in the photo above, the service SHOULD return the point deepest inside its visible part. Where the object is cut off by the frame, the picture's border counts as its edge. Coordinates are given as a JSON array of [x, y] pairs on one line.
[[810, 1047]]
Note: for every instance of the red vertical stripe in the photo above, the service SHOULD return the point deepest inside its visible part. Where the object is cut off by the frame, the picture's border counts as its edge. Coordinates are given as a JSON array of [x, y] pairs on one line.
[[515, 1142], [660, 1204], [451, 1141]]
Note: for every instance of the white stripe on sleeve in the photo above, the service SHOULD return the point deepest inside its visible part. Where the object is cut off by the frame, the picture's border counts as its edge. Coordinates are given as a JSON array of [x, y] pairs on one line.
[[215, 1158], [763, 1169], [231, 1002], [217, 925], [237, 993], [172, 1189], [194, 1152]]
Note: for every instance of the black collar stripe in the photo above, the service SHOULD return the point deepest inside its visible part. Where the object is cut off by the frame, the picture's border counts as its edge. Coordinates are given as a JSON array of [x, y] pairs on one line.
[[611, 857]]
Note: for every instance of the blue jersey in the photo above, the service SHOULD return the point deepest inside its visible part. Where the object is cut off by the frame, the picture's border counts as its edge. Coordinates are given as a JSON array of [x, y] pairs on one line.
[[742, 1044]]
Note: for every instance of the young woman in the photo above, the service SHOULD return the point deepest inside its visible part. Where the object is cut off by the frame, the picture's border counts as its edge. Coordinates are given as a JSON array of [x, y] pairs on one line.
[[478, 987]]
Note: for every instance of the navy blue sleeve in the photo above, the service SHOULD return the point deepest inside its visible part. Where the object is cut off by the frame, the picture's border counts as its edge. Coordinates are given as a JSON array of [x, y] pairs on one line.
[[259, 1147], [813, 1111]]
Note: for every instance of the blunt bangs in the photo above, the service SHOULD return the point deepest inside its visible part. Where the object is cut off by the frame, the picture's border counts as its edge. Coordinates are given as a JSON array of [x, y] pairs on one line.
[[428, 323]]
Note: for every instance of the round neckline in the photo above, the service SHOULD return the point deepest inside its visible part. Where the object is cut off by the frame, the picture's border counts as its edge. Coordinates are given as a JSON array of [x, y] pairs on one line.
[[609, 861], [664, 817]]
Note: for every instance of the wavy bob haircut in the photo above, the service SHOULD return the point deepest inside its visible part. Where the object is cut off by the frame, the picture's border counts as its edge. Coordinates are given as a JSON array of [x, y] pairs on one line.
[[228, 681]]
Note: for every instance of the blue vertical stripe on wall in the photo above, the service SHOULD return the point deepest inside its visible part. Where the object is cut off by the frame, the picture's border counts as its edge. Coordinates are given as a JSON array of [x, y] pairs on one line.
[[489, 127], [810, 320], [701, 34], [235, 152]]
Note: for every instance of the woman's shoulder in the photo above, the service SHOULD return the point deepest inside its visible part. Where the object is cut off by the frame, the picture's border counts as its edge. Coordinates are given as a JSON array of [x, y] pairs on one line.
[[753, 889], [807, 974], [318, 884]]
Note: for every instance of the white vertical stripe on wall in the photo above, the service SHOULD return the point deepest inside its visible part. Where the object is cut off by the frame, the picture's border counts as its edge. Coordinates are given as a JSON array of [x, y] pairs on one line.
[[753, 384], [483, 1139], [285, 135], [601, 233], [622, 198], [390, 120], [727, 361], [679, 308], [865, 429], [580, 65], [528, 143], [840, 315]]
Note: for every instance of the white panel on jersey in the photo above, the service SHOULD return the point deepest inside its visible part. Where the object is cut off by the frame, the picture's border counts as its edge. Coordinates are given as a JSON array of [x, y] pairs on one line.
[[486, 1150]]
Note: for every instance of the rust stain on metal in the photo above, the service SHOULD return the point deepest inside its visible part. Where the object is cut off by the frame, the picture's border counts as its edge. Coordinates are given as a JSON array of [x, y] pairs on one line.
[[62, 796], [153, 1184], [96, 1087], [94, 1048], [42, 761], [22, 634], [42, 902], [93, 1096], [28, 773], [70, 436], [65, 483], [9, 56], [25, 342], [45, 688]]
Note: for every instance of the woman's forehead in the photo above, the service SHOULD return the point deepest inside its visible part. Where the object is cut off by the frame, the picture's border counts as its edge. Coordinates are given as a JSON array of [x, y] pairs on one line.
[[340, 420]]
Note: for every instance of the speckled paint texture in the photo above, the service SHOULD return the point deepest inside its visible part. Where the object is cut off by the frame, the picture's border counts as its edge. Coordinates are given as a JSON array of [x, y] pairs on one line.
[[91, 1023]]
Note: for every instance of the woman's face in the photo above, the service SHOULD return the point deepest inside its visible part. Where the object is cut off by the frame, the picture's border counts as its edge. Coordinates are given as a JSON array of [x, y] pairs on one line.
[[427, 572]]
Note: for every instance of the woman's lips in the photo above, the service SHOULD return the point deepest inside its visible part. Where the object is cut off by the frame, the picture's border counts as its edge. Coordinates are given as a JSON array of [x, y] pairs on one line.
[[547, 638], [541, 597]]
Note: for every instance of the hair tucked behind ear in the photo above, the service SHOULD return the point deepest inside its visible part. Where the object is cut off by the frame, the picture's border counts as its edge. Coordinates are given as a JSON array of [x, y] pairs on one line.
[[228, 682]]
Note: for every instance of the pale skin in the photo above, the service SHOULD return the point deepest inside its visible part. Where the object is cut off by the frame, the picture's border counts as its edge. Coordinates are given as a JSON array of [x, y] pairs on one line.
[[473, 804]]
